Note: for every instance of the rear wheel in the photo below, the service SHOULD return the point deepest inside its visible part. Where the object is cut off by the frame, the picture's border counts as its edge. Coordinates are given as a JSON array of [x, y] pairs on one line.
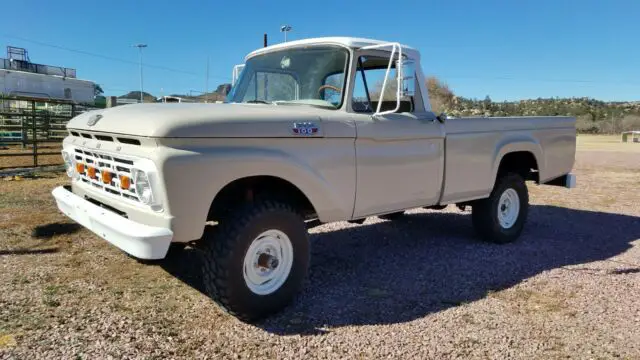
[[500, 218], [257, 260]]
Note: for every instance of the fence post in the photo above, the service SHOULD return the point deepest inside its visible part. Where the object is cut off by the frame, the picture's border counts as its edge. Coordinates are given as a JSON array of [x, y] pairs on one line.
[[35, 133], [23, 129]]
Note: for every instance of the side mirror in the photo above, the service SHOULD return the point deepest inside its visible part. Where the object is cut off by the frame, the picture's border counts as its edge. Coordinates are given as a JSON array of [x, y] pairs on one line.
[[442, 117], [407, 73]]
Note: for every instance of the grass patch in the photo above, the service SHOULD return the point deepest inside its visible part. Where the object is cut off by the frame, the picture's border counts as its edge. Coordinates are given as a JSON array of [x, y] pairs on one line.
[[532, 301]]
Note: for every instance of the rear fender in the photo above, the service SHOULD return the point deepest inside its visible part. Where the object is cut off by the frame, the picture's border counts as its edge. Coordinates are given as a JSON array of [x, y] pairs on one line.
[[517, 144]]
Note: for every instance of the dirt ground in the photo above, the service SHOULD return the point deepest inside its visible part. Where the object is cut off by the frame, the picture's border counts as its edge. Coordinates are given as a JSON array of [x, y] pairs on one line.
[[419, 287], [12, 161]]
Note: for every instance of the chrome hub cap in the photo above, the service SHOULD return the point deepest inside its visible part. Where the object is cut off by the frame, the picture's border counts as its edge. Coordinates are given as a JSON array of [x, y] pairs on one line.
[[268, 262], [508, 208]]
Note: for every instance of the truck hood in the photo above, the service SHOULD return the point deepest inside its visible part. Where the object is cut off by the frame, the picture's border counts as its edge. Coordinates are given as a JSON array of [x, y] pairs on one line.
[[200, 120]]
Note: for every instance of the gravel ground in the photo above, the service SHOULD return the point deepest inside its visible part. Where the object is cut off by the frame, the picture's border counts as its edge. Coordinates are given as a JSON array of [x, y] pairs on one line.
[[419, 287]]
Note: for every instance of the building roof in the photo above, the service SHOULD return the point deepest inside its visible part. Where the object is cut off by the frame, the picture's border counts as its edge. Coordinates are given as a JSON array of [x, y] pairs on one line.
[[350, 42]]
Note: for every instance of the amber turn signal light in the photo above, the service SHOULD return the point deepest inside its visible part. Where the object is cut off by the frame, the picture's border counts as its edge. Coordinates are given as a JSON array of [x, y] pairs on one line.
[[91, 172], [106, 176], [125, 182], [80, 168]]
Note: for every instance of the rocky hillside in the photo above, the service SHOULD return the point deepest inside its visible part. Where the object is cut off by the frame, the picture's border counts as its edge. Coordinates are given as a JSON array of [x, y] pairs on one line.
[[593, 116]]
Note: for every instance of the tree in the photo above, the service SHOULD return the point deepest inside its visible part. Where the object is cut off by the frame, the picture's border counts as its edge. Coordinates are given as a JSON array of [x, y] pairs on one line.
[[97, 90]]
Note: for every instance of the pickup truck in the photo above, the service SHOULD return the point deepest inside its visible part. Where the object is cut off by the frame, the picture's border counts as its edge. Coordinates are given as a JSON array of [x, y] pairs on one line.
[[313, 131]]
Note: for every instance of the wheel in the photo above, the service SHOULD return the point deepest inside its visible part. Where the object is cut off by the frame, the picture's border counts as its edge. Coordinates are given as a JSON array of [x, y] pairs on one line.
[[500, 218], [392, 216], [257, 260]]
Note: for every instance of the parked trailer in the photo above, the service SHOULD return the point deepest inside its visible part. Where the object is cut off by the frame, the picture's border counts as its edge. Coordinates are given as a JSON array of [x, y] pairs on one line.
[[49, 87]]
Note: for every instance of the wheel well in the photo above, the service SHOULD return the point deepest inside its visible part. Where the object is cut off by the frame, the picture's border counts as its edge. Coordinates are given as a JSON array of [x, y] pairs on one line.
[[252, 188], [520, 162]]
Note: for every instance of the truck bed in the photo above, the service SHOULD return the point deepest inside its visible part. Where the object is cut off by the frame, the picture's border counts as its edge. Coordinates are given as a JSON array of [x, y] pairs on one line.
[[474, 147]]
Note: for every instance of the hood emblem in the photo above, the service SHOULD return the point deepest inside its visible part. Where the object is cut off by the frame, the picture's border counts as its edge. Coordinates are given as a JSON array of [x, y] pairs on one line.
[[94, 119], [304, 128]]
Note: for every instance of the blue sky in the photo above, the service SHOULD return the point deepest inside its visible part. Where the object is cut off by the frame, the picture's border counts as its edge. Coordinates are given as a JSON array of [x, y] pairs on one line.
[[506, 49]]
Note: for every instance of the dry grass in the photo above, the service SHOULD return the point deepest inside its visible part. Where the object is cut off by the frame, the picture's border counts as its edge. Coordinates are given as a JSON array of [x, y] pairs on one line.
[[569, 288], [605, 143], [27, 161]]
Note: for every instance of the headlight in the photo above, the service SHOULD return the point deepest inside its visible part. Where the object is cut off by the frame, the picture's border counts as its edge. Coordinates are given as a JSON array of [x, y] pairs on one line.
[[68, 163], [143, 186]]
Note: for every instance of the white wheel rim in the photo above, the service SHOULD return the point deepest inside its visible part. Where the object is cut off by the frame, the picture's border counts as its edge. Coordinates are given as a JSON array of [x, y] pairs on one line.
[[268, 262], [508, 208]]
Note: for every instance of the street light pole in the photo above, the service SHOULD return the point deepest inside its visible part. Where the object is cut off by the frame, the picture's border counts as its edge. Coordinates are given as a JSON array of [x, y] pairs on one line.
[[140, 46], [285, 29]]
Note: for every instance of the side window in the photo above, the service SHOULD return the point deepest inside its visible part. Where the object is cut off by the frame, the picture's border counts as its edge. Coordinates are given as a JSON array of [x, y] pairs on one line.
[[368, 86], [360, 100], [270, 86]]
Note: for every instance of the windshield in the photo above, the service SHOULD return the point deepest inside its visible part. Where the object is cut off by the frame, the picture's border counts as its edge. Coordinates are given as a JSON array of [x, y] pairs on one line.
[[311, 75]]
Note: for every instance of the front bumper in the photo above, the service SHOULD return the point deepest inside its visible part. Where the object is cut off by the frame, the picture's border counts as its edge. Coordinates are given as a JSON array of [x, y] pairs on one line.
[[139, 240]]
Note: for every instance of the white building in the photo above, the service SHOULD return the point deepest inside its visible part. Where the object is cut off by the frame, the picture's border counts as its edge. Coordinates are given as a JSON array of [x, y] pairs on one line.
[[20, 77]]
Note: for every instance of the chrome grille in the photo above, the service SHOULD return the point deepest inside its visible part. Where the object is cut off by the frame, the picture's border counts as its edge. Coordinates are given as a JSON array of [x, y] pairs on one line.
[[116, 165]]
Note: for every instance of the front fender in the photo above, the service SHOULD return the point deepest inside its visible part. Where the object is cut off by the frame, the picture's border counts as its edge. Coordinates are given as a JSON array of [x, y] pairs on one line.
[[192, 179]]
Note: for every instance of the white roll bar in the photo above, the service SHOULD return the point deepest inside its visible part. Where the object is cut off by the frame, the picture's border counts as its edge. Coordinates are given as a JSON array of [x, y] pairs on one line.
[[394, 46]]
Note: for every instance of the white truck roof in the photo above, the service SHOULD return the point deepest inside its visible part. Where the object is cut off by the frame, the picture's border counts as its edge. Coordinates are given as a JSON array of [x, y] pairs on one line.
[[350, 42]]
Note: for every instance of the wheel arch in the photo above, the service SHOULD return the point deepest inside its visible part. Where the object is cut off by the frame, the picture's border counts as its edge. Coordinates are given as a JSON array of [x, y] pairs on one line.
[[250, 188], [523, 156]]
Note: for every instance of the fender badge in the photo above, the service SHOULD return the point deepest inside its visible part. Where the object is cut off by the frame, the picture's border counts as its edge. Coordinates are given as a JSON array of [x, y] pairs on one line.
[[94, 119], [304, 128]]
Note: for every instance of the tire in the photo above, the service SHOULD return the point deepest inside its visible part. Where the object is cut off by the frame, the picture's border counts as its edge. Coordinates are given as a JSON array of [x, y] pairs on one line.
[[505, 228], [226, 275], [392, 216]]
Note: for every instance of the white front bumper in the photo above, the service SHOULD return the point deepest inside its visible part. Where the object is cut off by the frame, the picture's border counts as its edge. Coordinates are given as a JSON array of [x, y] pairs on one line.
[[139, 240]]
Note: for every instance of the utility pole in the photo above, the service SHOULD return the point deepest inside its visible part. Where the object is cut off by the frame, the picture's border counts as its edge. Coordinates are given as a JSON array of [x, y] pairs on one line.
[[140, 46], [285, 29], [206, 84]]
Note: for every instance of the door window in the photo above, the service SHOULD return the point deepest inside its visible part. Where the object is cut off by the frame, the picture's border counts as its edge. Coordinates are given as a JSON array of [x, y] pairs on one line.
[[367, 89]]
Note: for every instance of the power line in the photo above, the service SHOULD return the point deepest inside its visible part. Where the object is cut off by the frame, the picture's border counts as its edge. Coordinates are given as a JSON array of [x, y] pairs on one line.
[[160, 67], [111, 58]]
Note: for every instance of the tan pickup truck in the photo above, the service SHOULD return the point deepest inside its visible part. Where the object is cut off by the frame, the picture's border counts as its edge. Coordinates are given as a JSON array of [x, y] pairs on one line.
[[317, 130]]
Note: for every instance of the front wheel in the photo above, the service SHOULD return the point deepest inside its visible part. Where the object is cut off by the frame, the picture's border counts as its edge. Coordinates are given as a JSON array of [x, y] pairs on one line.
[[256, 262], [500, 218]]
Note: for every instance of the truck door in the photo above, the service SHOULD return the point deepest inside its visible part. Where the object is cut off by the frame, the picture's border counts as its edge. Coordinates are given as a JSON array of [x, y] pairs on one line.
[[400, 156]]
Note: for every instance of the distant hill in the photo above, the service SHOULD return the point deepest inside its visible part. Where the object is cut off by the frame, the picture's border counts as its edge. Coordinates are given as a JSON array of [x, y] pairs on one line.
[[218, 95], [135, 95], [592, 116]]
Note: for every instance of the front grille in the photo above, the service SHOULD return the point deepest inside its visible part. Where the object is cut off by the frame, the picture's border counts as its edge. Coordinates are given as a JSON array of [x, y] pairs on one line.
[[117, 166], [122, 140]]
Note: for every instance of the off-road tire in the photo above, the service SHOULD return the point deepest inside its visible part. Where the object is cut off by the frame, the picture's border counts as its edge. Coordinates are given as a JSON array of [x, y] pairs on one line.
[[485, 212], [392, 216], [224, 248]]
